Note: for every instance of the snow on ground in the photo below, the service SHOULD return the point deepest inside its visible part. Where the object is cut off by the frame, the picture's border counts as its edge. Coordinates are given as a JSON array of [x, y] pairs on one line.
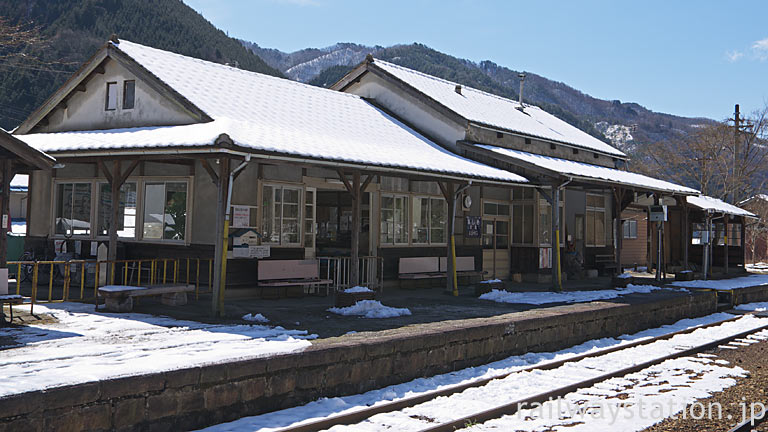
[[630, 403], [726, 284], [88, 346], [538, 298], [256, 318], [327, 407], [371, 309], [754, 307], [357, 289], [760, 267]]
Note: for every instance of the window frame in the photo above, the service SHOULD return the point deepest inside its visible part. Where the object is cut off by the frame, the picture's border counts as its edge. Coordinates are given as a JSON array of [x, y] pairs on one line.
[[593, 209], [406, 222], [140, 204], [413, 227], [300, 203], [628, 223], [136, 228], [125, 92], [107, 99]]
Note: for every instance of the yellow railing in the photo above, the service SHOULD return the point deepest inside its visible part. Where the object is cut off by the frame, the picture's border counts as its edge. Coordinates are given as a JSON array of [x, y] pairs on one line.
[[65, 274]]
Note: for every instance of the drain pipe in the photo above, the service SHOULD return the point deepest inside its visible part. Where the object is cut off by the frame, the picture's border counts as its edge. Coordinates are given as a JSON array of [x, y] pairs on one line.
[[556, 222], [227, 216]]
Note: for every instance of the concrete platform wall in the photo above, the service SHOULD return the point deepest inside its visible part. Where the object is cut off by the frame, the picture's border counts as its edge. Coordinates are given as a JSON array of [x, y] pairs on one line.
[[197, 397]]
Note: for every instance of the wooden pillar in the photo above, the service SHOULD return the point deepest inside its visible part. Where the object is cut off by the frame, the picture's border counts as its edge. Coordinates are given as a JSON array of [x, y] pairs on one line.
[[5, 197], [618, 200], [556, 271], [354, 275], [449, 193], [685, 230], [115, 185], [725, 242], [219, 254]]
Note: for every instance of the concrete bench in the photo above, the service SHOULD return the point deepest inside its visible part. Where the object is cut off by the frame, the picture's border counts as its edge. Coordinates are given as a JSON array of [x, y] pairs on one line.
[[430, 268], [465, 266], [278, 278], [119, 298]]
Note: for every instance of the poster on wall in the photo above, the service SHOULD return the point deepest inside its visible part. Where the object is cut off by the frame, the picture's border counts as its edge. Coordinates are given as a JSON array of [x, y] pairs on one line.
[[472, 228], [545, 258], [241, 216]]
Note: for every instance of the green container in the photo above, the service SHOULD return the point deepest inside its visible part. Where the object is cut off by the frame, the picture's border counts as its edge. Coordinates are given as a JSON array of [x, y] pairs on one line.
[[15, 246]]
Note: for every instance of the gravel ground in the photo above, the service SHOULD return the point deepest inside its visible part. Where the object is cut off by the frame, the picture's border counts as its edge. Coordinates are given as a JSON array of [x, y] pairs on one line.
[[753, 388]]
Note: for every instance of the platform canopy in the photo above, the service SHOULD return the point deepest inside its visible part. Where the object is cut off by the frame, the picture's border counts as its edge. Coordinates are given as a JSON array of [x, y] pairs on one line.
[[715, 205], [24, 157], [585, 172], [267, 116]]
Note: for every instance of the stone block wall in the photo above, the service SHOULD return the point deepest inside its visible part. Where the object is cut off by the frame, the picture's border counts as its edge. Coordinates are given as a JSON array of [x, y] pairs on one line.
[[201, 396]]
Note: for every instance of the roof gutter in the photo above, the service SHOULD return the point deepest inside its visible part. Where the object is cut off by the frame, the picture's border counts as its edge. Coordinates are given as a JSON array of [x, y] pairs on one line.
[[324, 163]]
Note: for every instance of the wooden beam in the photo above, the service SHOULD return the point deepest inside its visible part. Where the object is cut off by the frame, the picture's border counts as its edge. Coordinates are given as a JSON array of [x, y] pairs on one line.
[[5, 197], [80, 87], [366, 182], [104, 170], [127, 173], [217, 301], [349, 187], [209, 169], [354, 274]]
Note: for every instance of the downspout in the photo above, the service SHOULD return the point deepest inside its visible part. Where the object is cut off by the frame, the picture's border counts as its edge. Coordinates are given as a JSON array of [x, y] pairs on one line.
[[227, 216], [556, 217]]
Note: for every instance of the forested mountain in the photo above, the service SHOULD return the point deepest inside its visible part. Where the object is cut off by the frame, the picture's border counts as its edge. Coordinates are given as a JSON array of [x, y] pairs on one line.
[[75, 29], [624, 124]]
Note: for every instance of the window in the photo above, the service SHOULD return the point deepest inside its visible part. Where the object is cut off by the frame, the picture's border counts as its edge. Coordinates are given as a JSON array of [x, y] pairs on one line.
[[110, 103], [126, 222], [429, 216], [495, 225], [282, 215], [129, 94], [522, 215], [629, 228], [734, 234], [309, 218], [165, 210], [595, 220], [73, 209], [394, 224]]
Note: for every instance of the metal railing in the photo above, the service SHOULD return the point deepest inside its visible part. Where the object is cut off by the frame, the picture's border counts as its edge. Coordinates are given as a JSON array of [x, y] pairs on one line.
[[87, 274], [338, 269]]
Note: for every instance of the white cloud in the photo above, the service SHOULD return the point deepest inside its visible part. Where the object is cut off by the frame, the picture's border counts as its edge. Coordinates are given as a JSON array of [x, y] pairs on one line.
[[734, 55], [760, 49]]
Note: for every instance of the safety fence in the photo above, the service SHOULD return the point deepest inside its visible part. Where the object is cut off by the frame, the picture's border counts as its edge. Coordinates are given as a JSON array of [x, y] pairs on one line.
[[86, 276], [338, 269]]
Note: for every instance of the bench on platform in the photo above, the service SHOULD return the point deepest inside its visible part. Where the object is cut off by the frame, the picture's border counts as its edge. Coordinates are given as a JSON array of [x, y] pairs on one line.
[[119, 298], [288, 278], [10, 300], [430, 268], [606, 263]]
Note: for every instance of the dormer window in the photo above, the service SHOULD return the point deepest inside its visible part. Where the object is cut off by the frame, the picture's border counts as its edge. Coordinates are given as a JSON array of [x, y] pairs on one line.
[[129, 94], [110, 104]]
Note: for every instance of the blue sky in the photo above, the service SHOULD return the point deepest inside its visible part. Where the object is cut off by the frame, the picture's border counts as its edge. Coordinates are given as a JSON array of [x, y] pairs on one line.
[[681, 57]]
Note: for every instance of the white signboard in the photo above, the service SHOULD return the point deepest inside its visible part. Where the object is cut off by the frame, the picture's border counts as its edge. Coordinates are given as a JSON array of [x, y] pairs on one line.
[[259, 251], [241, 216], [241, 252]]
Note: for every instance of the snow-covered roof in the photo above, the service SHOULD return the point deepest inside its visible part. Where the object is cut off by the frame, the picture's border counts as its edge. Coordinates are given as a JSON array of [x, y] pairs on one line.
[[587, 171], [269, 114], [488, 109], [19, 183], [715, 205]]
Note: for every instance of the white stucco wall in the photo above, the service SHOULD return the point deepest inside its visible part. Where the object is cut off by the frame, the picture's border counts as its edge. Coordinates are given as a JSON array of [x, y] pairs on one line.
[[445, 131], [85, 110]]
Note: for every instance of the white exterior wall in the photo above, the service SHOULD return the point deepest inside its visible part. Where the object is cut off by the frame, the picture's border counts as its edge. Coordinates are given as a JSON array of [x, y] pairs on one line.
[[440, 128], [85, 110]]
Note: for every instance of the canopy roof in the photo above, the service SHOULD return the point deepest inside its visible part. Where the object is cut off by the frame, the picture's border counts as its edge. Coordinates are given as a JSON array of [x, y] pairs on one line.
[[718, 206], [587, 172]]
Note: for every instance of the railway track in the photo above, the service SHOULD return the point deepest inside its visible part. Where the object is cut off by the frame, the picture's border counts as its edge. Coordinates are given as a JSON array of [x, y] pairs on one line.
[[749, 424], [462, 421]]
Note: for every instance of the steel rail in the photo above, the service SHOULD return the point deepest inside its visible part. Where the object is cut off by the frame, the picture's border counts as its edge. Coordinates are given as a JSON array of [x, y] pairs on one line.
[[513, 407], [363, 414], [749, 424]]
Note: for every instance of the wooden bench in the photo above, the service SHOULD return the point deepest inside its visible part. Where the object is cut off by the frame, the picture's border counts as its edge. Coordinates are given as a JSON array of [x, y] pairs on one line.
[[604, 263], [465, 266], [10, 300], [288, 278], [431, 268], [119, 298]]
